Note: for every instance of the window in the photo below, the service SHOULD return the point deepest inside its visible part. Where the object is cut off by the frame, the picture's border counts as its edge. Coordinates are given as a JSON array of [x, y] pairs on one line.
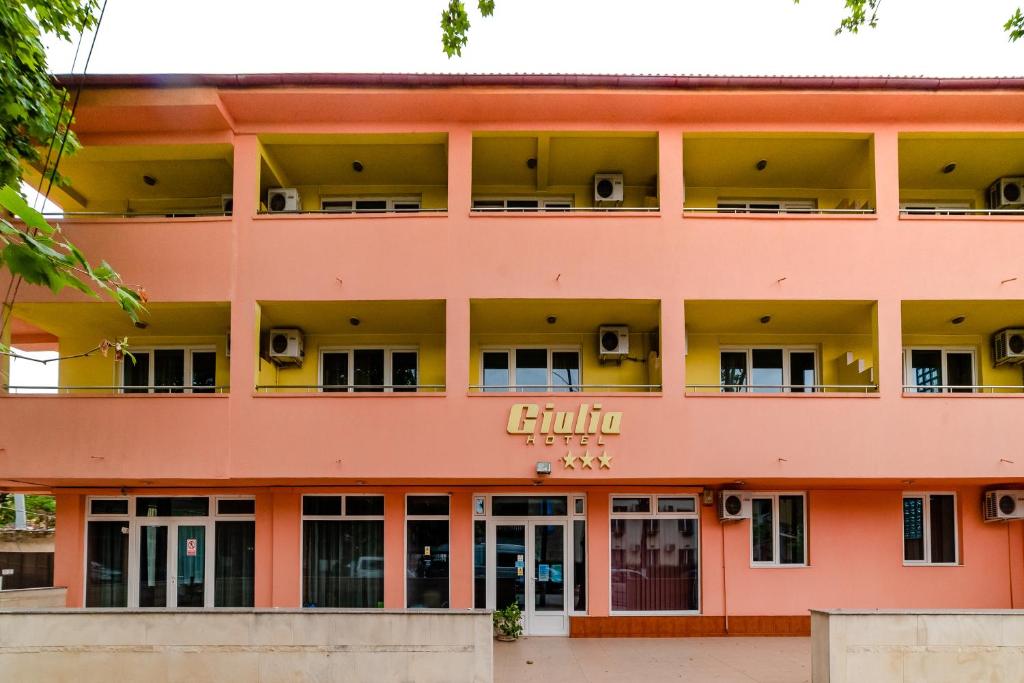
[[194, 370], [654, 554], [778, 530], [940, 369], [531, 369], [426, 558], [369, 204], [373, 370], [936, 208], [929, 528], [769, 370], [767, 206], [522, 204], [343, 551]]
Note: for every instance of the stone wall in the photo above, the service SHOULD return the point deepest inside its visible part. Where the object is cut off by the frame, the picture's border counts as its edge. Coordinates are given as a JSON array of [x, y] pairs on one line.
[[33, 598], [160, 646], [889, 646]]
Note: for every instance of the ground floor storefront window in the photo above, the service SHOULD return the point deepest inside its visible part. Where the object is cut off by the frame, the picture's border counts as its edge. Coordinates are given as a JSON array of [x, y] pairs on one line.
[[154, 551], [342, 551], [426, 536], [654, 554]]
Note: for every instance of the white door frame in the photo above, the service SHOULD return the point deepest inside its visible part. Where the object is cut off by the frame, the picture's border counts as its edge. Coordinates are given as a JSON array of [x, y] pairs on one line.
[[546, 623], [173, 525]]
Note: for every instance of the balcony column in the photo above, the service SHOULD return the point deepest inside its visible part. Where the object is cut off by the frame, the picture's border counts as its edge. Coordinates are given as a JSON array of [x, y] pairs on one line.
[[598, 554], [672, 347], [887, 173], [460, 549], [670, 171], [456, 344], [263, 581], [460, 171], [69, 547], [244, 311], [394, 550], [888, 335], [286, 537]]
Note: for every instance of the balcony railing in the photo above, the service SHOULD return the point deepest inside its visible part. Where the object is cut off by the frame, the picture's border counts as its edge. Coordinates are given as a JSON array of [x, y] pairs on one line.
[[782, 388], [182, 213], [562, 388], [131, 390], [349, 388], [960, 212], [808, 211], [963, 389], [349, 212], [568, 209]]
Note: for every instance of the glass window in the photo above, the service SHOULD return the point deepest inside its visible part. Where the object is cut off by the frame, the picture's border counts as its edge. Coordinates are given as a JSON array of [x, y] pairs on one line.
[[766, 370], [108, 507], [426, 563], [565, 370], [204, 372], [427, 505], [654, 565], [236, 506], [638, 504], [106, 578], [926, 369], [734, 370], [335, 371], [929, 528], [321, 506], [579, 565], [234, 563], [495, 371], [168, 370], [136, 373], [778, 529], [153, 566], [364, 506], [801, 371], [528, 506], [403, 371], [677, 504], [172, 507], [931, 368], [960, 370], [532, 369], [343, 563], [368, 369], [480, 564]]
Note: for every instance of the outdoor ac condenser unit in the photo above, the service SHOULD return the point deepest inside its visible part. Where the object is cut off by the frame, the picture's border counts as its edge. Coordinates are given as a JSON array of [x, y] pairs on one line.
[[608, 187], [1003, 505], [733, 505], [613, 342], [281, 199], [1008, 347], [1006, 193], [285, 346]]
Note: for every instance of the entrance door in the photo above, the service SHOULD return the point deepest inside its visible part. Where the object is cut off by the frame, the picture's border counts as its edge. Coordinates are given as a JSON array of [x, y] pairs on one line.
[[529, 562], [174, 565]]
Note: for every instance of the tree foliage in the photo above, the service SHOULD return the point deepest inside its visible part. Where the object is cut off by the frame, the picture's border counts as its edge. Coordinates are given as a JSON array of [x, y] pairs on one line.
[[455, 25], [31, 107], [40, 511]]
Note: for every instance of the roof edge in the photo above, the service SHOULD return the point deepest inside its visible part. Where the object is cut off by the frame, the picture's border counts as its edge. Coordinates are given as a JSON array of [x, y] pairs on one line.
[[564, 81]]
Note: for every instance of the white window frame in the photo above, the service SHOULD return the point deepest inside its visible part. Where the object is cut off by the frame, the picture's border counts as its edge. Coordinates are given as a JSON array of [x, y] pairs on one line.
[[511, 351], [784, 205], [786, 351], [133, 522], [390, 201], [908, 371], [935, 208], [189, 350], [926, 531], [542, 204], [388, 351], [654, 514], [405, 541], [776, 533]]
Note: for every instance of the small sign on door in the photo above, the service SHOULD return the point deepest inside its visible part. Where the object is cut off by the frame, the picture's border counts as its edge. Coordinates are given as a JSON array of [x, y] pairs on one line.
[[191, 547]]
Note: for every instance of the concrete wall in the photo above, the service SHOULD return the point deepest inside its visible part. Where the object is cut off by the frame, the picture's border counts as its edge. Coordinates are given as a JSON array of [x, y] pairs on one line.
[[245, 645], [930, 645], [32, 598]]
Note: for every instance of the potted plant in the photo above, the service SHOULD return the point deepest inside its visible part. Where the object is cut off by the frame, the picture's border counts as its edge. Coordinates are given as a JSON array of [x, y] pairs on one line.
[[508, 623]]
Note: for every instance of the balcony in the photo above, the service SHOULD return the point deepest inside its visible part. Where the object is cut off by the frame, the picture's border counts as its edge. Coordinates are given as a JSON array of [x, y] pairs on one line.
[[564, 346], [349, 348], [790, 348], [564, 172], [773, 174], [963, 348], [176, 350], [960, 176]]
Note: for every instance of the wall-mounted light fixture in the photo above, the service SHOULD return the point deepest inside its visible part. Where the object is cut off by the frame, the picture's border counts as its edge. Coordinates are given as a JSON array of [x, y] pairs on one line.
[[552, 319], [765, 319], [543, 467], [149, 180], [761, 164], [531, 162], [949, 168], [354, 321], [959, 320], [357, 166]]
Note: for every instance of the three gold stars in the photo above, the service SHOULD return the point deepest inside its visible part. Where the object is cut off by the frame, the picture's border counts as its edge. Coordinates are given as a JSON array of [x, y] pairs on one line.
[[587, 460]]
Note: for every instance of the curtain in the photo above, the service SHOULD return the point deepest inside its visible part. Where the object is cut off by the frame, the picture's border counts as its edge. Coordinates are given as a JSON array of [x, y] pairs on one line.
[[654, 565], [343, 563], [106, 583], [234, 564]]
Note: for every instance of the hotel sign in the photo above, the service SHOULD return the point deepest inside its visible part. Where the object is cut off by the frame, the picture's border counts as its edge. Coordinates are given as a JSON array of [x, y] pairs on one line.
[[588, 426]]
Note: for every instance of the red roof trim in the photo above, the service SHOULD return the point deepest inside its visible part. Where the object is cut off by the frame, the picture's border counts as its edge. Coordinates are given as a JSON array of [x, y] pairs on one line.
[[569, 81]]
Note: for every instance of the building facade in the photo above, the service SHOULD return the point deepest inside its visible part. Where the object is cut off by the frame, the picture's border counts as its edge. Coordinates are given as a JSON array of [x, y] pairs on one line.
[[646, 356]]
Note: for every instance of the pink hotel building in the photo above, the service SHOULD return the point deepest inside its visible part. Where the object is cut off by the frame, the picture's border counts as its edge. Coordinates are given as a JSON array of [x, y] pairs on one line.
[[646, 355]]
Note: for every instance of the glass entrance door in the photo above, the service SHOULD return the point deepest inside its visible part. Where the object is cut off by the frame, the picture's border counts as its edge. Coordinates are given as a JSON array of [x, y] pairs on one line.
[[173, 565], [529, 569]]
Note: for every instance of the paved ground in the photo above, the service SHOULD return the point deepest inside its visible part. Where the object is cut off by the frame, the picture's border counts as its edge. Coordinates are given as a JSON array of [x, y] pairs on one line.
[[624, 660]]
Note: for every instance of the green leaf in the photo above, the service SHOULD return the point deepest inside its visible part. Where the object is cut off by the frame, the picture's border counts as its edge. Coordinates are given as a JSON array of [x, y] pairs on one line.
[[16, 204]]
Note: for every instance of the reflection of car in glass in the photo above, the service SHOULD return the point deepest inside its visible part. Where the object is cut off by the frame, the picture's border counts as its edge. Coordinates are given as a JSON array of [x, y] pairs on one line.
[[368, 567], [508, 554], [98, 572], [431, 566], [621, 577]]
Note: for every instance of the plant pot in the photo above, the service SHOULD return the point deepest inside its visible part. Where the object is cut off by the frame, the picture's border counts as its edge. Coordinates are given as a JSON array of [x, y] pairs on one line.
[[506, 638]]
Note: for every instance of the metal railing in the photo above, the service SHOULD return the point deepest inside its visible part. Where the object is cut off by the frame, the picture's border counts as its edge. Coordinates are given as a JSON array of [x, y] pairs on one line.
[[562, 388], [715, 209], [568, 209], [177, 213], [350, 388], [340, 212], [963, 389], [961, 212], [783, 388], [116, 390]]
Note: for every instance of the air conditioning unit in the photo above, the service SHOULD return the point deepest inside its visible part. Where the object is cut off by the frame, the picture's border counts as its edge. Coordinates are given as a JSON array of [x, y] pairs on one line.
[[1002, 505], [285, 346], [1006, 193], [283, 199], [608, 187], [227, 204], [733, 505], [1008, 347], [613, 342]]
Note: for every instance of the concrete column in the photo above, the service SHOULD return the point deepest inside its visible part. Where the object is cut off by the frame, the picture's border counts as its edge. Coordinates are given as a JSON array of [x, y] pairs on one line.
[[887, 173], [457, 347], [670, 170], [394, 550], [69, 547], [598, 557], [460, 171], [460, 550], [263, 588], [672, 349], [286, 565], [889, 348]]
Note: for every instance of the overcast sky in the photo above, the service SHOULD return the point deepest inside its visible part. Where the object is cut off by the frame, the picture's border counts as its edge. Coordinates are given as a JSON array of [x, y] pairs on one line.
[[733, 37]]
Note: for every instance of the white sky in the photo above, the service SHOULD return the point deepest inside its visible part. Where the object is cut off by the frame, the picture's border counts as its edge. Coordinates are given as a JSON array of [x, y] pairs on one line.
[[727, 37]]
